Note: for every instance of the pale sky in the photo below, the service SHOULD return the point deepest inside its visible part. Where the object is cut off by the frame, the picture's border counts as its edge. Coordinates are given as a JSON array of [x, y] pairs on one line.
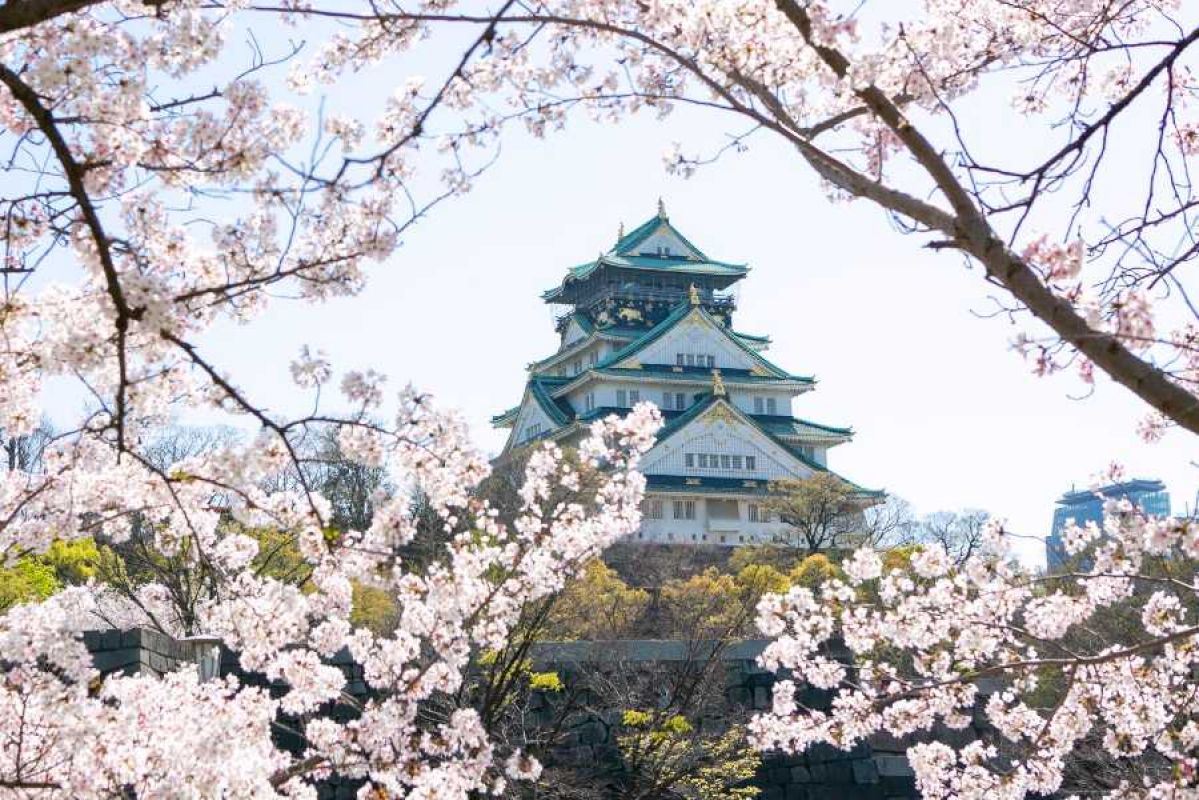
[[945, 414]]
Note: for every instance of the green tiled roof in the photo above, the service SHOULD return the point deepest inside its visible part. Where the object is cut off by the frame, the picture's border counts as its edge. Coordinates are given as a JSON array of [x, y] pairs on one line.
[[794, 426], [583, 322], [505, 417], [678, 423], [751, 338], [676, 316], [664, 372], [692, 484], [540, 387], [626, 244], [624, 254]]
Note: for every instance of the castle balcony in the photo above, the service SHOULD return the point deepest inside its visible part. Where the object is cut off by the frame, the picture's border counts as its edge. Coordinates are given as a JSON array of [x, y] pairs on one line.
[[644, 297]]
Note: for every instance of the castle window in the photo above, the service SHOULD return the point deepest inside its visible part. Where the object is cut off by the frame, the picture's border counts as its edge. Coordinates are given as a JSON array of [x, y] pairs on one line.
[[679, 402], [736, 462], [634, 397], [752, 512], [751, 463], [725, 462], [684, 509], [694, 360], [703, 460], [622, 399], [589, 401], [771, 408], [689, 460], [757, 405], [652, 509], [578, 366], [532, 431], [808, 452], [591, 359]]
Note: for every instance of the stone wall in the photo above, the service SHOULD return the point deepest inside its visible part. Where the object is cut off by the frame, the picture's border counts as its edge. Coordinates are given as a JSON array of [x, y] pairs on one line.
[[142, 651], [822, 773], [868, 772]]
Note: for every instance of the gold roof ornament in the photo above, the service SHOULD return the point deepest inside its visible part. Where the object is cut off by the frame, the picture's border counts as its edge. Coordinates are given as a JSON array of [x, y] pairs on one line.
[[620, 232], [694, 293], [661, 209], [717, 384]]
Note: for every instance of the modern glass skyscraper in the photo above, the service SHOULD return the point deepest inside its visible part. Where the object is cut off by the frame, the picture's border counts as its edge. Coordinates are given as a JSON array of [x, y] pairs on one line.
[[1083, 507]]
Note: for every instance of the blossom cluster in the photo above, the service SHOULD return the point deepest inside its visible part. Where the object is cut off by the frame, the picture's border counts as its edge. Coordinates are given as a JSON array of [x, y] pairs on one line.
[[1036, 659]]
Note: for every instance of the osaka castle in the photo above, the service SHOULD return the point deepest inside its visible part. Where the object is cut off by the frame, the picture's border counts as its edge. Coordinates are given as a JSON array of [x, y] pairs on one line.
[[651, 320]]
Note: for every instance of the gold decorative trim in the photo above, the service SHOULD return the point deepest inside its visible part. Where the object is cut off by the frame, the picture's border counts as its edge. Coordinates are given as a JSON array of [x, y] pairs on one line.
[[693, 482], [720, 413], [717, 384]]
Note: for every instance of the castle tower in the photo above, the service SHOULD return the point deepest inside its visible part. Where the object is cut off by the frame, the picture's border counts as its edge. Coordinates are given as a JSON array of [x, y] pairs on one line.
[[651, 320]]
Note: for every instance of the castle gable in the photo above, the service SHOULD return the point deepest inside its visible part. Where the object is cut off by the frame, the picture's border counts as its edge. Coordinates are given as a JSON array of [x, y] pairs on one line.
[[717, 441], [691, 337]]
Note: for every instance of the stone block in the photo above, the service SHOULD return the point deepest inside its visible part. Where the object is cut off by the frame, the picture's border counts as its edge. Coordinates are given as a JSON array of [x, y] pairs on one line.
[[110, 661], [762, 699], [740, 696], [797, 792], [893, 766], [898, 786], [865, 771], [592, 733], [821, 752], [779, 775], [839, 773], [801, 775]]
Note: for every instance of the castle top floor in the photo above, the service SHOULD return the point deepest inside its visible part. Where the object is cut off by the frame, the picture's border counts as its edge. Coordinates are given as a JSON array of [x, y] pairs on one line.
[[646, 274]]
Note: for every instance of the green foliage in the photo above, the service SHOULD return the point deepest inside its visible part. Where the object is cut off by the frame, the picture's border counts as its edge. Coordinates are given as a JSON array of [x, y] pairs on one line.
[[728, 763], [374, 609], [822, 512], [632, 718], [30, 579], [814, 570], [760, 555], [74, 562], [705, 606], [756, 580], [680, 760], [596, 605], [545, 682], [36, 577], [899, 557]]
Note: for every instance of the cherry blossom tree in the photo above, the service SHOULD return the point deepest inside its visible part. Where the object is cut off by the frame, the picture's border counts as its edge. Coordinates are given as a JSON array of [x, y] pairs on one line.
[[155, 185], [152, 188], [882, 102], [935, 645]]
